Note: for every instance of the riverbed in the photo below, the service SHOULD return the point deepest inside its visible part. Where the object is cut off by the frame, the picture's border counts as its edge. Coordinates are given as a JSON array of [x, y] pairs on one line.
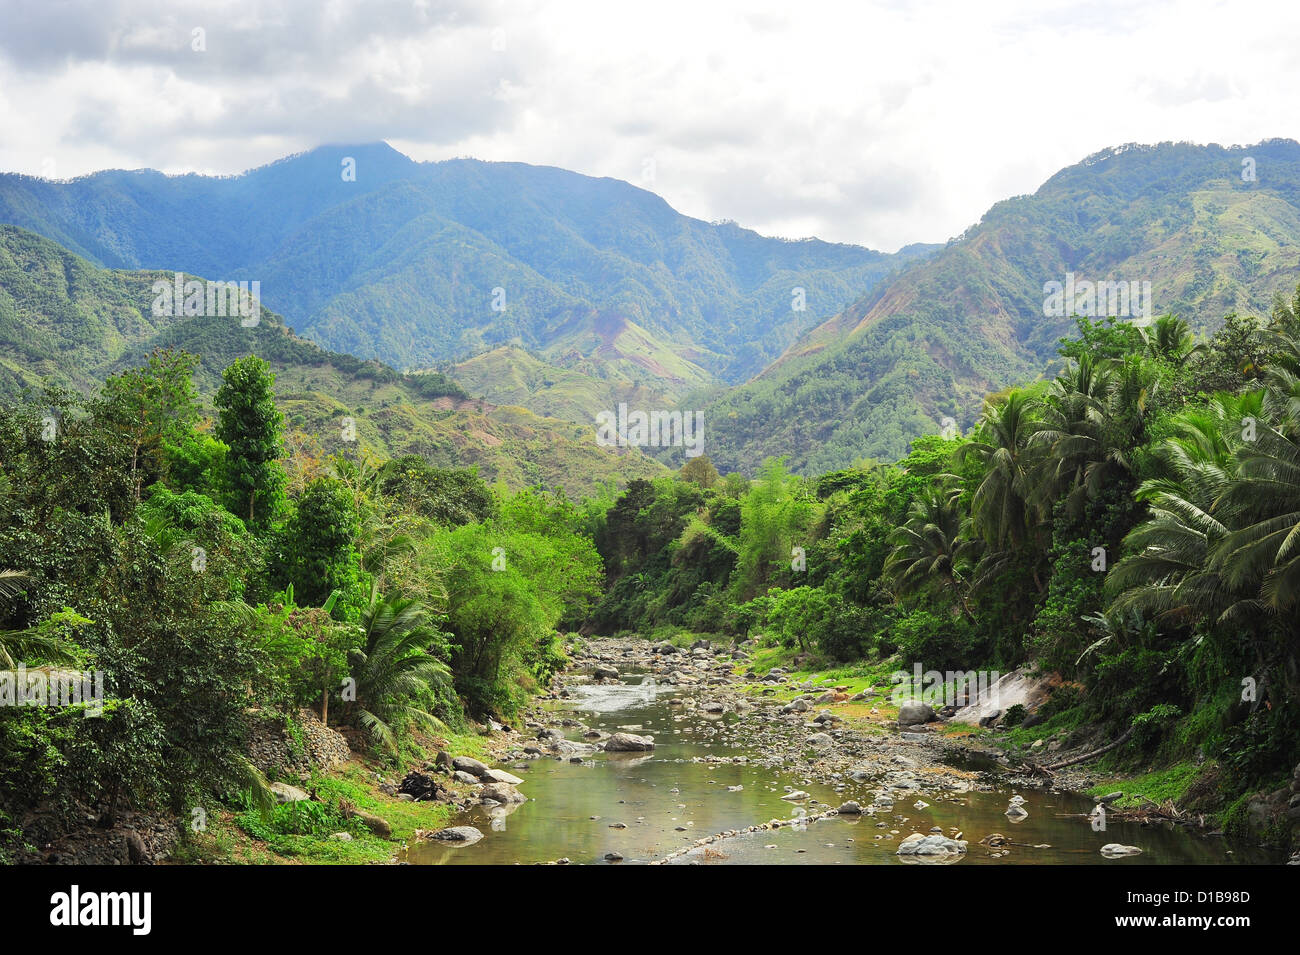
[[705, 779]]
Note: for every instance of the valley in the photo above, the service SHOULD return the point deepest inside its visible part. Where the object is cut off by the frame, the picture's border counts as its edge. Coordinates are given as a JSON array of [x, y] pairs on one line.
[[500, 463]]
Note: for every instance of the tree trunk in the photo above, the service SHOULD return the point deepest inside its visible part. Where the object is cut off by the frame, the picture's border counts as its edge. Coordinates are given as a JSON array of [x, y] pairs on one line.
[[135, 457], [1096, 752]]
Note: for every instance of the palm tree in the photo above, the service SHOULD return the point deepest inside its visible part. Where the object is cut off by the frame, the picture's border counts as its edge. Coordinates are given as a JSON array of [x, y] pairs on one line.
[[1170, 340], [1075, 415], [1170, 574], [1000, 508], [11, 583], [1092, 415], [930, 546], [1263, 549], [31, 643], [1006, 512], [393, 668]]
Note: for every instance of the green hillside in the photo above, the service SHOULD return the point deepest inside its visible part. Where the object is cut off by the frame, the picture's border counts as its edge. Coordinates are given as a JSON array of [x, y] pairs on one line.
[[970, 319], [65, 321], [422, 263]]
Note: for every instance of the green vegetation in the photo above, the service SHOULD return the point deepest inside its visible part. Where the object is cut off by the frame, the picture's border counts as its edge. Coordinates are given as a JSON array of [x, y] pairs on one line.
[[1118, 524], [392, 599], [65, 322]]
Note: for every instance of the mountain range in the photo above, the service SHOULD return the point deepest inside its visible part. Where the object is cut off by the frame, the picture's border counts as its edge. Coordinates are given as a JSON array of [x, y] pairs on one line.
[[555, 296], [368, 252], [972, 318]]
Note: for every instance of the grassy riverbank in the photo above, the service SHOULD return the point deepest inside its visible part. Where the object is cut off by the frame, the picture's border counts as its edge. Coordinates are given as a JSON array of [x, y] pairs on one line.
[[298, 835]]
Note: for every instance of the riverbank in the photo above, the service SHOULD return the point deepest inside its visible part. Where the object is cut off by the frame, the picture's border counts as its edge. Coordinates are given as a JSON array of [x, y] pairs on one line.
[[839, 728], [358, 814], [831, 736]]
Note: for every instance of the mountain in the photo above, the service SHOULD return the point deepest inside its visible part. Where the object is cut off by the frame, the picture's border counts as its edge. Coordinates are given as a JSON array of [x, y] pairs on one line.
[[421, 264], [970, 319], [66, 321]]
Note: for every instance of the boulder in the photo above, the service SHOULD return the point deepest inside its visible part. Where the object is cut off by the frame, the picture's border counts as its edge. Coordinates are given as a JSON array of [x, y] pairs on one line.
[[465, 835], [568, 747], [629, 743], [850, 808], [286, 793], [914, 713], [502, 793], [469, 765], [135, 849], [933, 845], [500, 776], [605, 673], [1114, 850]]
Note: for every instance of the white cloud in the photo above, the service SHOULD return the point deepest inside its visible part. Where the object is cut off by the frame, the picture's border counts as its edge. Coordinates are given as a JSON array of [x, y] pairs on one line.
[[878, 123]]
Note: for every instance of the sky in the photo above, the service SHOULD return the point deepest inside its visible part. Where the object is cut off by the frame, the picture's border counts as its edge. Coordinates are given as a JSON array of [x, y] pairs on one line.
[[877, 123]]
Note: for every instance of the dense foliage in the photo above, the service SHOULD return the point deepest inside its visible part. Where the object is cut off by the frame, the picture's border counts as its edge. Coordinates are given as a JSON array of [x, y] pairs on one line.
[[205, 579], [1132, 524]]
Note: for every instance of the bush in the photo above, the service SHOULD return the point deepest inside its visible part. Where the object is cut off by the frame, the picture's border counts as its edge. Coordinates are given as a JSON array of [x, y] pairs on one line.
[[939, 641], [545, 658]]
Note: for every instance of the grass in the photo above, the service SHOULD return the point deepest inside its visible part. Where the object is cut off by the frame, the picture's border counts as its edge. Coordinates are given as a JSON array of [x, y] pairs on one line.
[[243, 837], [1159, 785]]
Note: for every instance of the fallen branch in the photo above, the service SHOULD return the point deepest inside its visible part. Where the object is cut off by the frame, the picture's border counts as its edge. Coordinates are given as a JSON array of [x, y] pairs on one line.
[[1093, 755]]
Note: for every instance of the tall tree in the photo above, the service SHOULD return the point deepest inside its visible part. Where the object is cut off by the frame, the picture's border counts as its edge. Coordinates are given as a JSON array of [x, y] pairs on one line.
[[930, 548], [250, 425], [150, 407]]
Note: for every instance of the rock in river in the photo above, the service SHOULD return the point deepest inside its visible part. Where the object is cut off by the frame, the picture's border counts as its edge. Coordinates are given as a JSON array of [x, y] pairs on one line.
[[629, 743], [1113, 850], [465, 835], [500, 792], [921, 845], [500, 776]]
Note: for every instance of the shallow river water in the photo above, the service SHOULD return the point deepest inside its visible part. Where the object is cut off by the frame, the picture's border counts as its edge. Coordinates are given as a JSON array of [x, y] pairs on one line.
[[644, 806]]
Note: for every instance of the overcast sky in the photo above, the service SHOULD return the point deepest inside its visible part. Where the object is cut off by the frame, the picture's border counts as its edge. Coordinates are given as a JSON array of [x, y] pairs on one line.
[[867, 122]]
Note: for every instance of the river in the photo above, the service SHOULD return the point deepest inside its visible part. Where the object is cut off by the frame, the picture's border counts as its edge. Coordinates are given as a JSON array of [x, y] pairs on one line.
[[642, 807]]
